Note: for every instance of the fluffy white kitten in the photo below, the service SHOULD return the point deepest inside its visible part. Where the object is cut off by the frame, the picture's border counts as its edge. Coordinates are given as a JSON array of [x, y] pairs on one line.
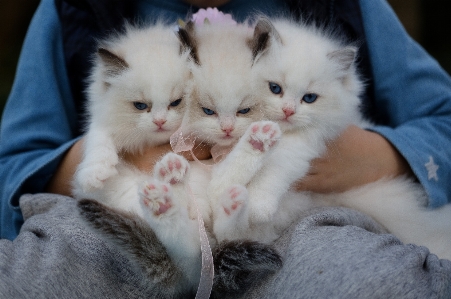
[[136, 100], [218, 105], [221, 106], [309, 83]]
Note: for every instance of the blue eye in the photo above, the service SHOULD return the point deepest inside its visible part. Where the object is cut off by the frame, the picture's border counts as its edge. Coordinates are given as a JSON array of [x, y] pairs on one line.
[[244, 111], [175, 103], [275, 88], [310, 98], [140, 106], [208, 111]]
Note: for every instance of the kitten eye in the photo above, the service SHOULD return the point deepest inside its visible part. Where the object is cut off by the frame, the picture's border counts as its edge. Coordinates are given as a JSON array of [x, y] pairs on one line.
[[310, 98], [208, 111], [244, 111], [275, 88], [175, 103], [140, 106]]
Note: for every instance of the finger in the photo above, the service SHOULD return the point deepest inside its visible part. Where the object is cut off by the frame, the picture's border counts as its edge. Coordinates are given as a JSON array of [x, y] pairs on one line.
[[303, 184]]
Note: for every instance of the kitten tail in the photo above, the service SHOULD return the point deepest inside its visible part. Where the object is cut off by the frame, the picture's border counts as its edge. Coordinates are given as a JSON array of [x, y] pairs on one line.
[[240, 264], [136, 240]]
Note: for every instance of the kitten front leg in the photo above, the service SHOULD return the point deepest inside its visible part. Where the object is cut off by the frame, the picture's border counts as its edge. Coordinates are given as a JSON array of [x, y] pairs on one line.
[[246, 159], [174, 170], [98, 164], [166, 213], [231, 214], [289, 163]]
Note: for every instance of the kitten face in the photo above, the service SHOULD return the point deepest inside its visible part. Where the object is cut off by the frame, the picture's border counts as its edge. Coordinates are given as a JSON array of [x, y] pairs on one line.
[[139, 86], [222, 103], [308, 82], [147, 109]]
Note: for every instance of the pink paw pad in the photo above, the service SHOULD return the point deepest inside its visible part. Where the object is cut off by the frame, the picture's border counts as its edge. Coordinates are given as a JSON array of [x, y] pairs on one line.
[[172, 168], [264, 135], [156, 198], [234, 199]]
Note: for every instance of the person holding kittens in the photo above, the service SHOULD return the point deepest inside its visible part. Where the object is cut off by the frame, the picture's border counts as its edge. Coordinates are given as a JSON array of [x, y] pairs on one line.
[[54, 63]]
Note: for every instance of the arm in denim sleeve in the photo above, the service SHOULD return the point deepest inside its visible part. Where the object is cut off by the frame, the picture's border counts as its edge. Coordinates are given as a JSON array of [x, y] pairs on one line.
[[415, 94], [39, 118]]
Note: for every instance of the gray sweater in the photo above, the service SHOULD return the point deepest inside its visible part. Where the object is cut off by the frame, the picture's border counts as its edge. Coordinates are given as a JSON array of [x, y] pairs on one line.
[[330, 253]]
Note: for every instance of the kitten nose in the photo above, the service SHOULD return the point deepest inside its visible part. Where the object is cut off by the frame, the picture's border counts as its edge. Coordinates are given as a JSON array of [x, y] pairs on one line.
[[159, 122], [227, 130], [288, 111]]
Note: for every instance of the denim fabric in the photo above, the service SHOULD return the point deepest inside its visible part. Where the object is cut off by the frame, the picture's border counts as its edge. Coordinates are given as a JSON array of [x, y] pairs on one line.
[[38, 119], [414, 93]]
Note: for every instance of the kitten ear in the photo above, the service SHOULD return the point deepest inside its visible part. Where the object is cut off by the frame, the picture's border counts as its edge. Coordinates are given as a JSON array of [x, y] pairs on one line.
[[188, 41], [264, 34], [344, 57], [114, 64]]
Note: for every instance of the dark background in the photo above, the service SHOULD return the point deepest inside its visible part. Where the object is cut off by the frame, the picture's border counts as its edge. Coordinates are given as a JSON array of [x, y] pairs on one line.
[[428, 21]]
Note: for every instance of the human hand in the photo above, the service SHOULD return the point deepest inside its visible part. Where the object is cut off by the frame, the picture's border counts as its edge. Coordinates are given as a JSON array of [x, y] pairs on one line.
[[355, 158], [146, 160], [61, 181]]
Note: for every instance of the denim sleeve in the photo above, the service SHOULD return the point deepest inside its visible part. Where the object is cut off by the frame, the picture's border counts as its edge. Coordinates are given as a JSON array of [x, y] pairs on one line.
[[414, 92], [39, 118]]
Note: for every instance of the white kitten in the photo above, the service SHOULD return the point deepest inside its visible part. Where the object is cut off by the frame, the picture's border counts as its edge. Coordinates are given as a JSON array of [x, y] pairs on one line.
[[309, 83], [137, 100], [222, 103], [221, 106], [218, 107]]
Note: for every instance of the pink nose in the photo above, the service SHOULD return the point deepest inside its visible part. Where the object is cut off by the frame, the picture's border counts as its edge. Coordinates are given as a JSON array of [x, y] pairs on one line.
[[227, 130], [288, 111], [159, 122]]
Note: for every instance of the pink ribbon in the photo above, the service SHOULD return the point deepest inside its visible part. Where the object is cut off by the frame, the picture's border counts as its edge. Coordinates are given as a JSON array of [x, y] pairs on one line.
[[179, 143]]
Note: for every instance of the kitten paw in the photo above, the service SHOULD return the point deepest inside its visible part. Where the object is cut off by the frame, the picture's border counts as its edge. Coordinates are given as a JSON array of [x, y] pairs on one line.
[[234, 199], [156, 198], [172, 168], [264, 135], [93, 176]]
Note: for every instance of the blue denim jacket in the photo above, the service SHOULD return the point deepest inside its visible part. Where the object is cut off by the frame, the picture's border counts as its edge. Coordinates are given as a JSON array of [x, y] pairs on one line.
[[411, 90]]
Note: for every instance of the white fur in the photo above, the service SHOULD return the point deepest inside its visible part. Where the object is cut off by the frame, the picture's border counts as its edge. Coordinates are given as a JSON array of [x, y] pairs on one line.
[[222, 82], [308, 60], [400, 205], [314, 67], [225, 61], [247, 195], [156, 74]]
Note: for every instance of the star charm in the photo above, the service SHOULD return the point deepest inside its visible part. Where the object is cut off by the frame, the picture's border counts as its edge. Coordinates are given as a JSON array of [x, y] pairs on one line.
[[432, 169]]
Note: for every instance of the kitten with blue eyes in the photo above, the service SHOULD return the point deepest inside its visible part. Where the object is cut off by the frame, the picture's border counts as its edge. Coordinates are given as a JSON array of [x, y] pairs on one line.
[[137, 86], [136, 99], [221, 106], [221, 102], [313, 96], [307, 83], [212, 94]]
